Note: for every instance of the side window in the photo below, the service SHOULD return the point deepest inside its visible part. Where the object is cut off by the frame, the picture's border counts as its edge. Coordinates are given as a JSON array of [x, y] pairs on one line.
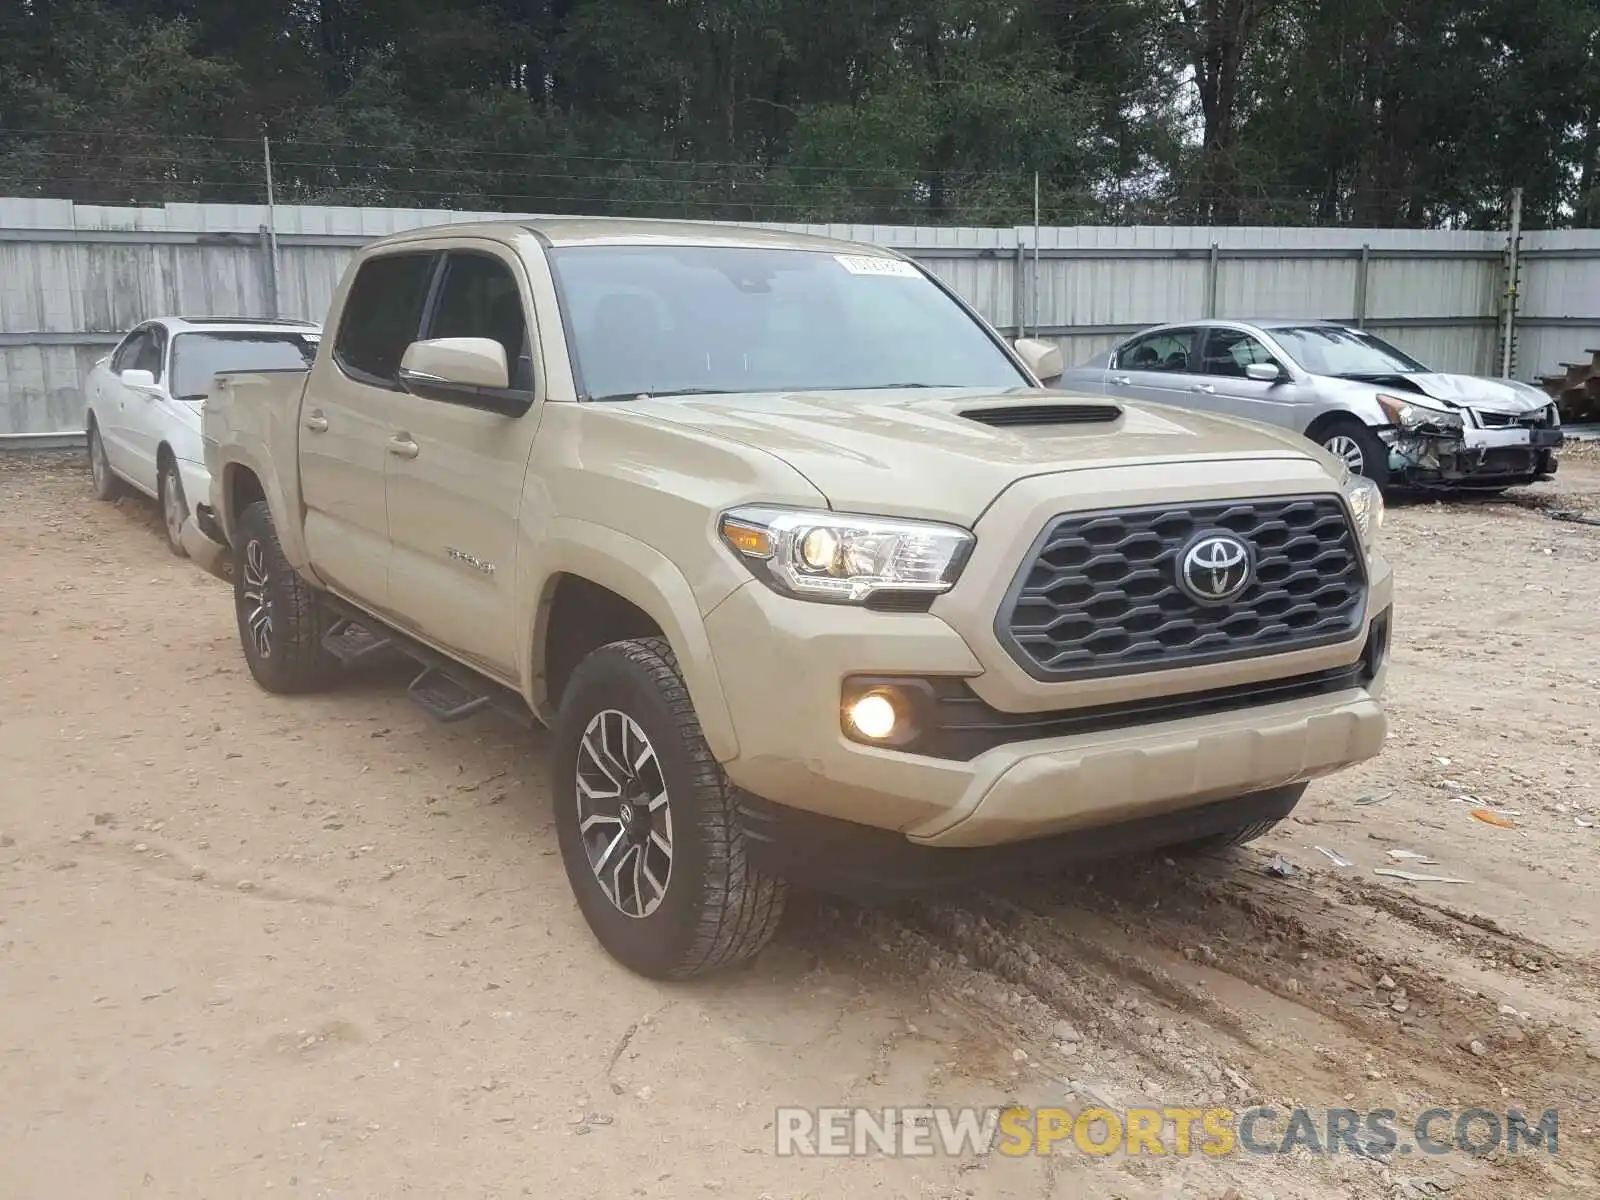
[[382, 314], [478, 297], [1164, 350], [153, 352], [1230, 351], [127, 354]]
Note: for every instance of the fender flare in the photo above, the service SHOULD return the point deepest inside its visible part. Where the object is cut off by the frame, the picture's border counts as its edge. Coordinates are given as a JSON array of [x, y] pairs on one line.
[[291, 536], [645, 578]]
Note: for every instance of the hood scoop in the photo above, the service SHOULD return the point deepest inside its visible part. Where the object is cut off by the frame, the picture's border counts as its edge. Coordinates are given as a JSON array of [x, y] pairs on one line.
[[1017, 416]]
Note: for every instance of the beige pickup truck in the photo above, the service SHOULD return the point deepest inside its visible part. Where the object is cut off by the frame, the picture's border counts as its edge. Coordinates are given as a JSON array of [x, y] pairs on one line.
[[812, 576]]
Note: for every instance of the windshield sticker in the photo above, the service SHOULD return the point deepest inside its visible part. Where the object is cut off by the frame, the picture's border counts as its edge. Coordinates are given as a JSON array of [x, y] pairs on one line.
[[868, 264]]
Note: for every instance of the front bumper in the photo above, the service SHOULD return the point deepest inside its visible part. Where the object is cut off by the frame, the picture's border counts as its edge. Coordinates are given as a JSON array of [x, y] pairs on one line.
[[794, 753], [1489, 458]]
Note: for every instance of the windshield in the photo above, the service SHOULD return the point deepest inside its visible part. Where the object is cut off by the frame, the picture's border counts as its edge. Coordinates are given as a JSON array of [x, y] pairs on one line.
[[1330, 350], [196, 357], [695, 319]]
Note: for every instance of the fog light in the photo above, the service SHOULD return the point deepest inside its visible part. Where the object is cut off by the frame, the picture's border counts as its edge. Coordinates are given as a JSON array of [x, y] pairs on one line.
[[873, 716]]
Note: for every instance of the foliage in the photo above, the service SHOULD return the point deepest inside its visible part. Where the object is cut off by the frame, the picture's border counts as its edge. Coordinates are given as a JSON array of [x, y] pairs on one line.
[[1375, 112]]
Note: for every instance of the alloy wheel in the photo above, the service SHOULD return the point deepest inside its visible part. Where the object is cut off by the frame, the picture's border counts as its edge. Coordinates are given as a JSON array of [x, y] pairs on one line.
[[172, 510], [97, 460], [257, 602], [1349, 450], [624, 813]]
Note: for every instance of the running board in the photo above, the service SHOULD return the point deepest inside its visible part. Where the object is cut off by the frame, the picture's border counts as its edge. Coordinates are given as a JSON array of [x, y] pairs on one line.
[[352, 643], [445, 690], [443, 698]]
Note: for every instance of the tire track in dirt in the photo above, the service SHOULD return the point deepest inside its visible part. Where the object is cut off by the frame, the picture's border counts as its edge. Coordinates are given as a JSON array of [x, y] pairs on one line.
[[1213, 983]]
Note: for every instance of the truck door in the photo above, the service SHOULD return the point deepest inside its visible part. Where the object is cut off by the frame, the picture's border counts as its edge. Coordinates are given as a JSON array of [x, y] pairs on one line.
[[347, 425], [455, 489]]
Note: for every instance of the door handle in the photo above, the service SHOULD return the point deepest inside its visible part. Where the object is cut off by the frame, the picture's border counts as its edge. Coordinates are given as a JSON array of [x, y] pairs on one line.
[[401, 446], [1203, 387], [1120, 381], [316, 422]]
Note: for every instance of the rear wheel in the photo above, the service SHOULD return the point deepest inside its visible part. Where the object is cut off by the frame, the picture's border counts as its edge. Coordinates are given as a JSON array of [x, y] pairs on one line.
[[174, 507], [281, 618], [106, 485], [645, 819], [1357, 446]]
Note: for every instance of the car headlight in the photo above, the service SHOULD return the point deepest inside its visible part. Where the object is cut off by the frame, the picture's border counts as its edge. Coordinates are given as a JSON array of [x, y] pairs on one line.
[[1419, 418], [1366, 505], [844, 558]]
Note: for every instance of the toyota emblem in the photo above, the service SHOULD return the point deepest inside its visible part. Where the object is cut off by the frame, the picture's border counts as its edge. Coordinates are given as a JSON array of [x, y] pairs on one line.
[[1215, 568]]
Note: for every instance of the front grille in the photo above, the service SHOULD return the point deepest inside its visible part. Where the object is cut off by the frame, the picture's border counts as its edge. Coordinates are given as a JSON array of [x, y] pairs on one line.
[[1538, 419], [1099, 593]]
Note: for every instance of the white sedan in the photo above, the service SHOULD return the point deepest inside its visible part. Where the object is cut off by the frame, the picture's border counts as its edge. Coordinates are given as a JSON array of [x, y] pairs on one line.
[[145, 398]]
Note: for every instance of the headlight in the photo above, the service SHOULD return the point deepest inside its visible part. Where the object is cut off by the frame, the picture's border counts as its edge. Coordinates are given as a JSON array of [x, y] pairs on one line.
[[1366, 505], [843, 558], [1419, 418]]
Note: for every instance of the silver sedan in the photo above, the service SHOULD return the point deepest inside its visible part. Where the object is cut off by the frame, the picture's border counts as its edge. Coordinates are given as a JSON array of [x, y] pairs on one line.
[[1384, 413]]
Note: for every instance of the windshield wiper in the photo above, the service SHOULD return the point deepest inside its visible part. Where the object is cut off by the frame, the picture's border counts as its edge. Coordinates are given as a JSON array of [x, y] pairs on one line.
[[191, 396], [662, 395]]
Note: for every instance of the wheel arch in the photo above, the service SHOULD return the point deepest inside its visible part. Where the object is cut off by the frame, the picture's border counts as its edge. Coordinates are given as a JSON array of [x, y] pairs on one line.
[[619, 588]]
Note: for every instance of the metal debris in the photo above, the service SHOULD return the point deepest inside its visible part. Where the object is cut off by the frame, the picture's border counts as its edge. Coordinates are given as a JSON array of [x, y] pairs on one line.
[[1334, 857], [1281, 867], [1426, 860], [1413, 877]]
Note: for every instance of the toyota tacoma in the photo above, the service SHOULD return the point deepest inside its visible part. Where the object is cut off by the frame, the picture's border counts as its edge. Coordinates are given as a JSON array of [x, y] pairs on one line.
[[812, 577]]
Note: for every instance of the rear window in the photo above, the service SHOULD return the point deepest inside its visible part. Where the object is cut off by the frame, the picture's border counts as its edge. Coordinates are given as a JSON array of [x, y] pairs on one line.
[[196, 357], [382, 315]]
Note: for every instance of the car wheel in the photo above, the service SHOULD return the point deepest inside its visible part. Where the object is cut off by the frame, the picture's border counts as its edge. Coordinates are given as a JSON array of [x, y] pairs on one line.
[[106, 485], [281, 618], [174, 508], [646, 821], [1358, 447], [1243, 835]]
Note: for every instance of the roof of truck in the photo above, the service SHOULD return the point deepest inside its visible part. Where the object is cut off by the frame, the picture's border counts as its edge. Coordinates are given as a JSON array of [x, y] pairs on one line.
[[628, 231]]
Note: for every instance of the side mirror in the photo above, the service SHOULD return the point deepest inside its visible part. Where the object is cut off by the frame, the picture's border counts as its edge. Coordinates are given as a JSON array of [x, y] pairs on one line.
[[141, 381], [1042, 358], [467, 371], [1267, 372]]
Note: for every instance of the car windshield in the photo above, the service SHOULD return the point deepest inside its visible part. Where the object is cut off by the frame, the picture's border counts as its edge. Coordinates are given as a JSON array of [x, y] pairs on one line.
[[1332, 350], [196, 357], [682, 320]]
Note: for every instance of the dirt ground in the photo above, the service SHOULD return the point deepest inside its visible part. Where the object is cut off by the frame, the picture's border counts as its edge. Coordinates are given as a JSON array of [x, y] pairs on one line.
[[324, 947]]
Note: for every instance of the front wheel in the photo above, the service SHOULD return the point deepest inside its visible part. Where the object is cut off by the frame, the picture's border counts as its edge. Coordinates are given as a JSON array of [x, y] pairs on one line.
[[645, 820], [1357, 447], [281, 618], [174, 508]]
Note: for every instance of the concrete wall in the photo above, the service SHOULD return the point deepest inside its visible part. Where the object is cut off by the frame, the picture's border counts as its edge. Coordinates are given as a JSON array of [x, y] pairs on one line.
[[73, 278]]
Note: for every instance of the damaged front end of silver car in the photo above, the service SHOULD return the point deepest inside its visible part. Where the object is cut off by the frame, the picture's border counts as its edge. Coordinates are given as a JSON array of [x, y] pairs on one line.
[[1459, 448]]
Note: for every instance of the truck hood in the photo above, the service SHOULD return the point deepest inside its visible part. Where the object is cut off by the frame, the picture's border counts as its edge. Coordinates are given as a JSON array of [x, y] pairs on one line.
[[912, 453], [1457, 391]]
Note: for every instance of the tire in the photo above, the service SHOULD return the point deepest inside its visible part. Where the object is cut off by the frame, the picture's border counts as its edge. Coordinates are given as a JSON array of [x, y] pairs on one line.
[[174, 507], [702, 906], [1352, 441], [1243, 835], [281, 618], [107, 486]]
